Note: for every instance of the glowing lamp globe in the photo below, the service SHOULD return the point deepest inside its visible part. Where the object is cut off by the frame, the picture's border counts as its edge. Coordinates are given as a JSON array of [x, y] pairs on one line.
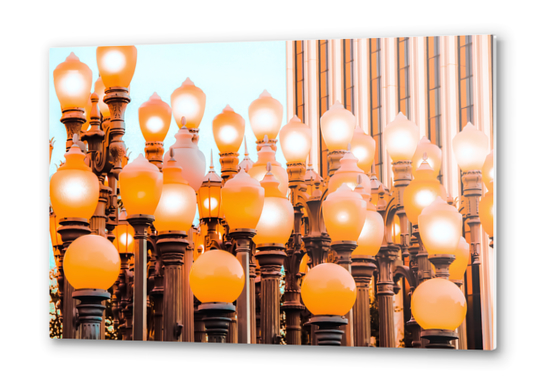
[[328, 289], [124, 235], [189, 157], [438, 304], [487, 211], [401, 138], [440, 227], [116, 65], [372, 234], [470, 148], [344, 214], [338, 125], [73, 80], [277, 218], [154, 118], [228, 130], [99, 89], [421, 192], [141, 189], [91, 262], [217, 277], [488, 173], [363, 148], [295, 141], [459, 265], [209, 195], [177, 206], [434, 157], [259, 169], [188, 101], [242, 200], [348, 174], [74, 189], [265, 115]]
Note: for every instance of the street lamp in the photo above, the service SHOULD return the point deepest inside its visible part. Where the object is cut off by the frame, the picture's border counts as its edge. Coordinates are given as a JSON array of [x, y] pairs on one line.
[[267, 155], [173, 218], [401, 138], [272, 232], [295, 142], [265, 115], [363, 147], [210, 206], [439, 306], [92, 265], [72, 80], [243, 202], [141, 184], [188, 101], [216, 279], [427, 151], [154, 120], [228, 131], [338, 125], [328, 292]]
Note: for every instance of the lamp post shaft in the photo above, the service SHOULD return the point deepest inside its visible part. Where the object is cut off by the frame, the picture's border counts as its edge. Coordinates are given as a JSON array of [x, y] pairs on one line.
[[244, 303], [229, 162], [384, 289], [344, 249], [271, 258], [154, 152], [188, 296], [362, 271], [140, 224], [90, 311], [216, 320], [172, 246]]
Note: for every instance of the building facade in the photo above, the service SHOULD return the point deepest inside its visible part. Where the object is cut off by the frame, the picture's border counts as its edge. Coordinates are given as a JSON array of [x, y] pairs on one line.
[[440, 83]]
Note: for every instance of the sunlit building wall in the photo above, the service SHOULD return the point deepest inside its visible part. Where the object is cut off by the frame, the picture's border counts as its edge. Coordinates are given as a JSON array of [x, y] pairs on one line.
[[440, 83]]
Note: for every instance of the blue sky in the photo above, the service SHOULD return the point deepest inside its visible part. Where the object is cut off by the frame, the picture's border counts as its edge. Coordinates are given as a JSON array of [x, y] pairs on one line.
[[228, 73]]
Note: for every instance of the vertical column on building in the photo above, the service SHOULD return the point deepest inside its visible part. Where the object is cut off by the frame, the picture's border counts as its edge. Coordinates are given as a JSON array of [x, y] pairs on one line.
[[311, 87], [483, 120], [419, 83], [290, 80], [362, 81], [389, 96]]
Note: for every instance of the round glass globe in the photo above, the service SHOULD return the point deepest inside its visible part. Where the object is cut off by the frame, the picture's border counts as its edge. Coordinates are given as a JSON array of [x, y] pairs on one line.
[[91, 262], [329, 290], [117, 65], [72, 80], [217, 277], [154, 119]]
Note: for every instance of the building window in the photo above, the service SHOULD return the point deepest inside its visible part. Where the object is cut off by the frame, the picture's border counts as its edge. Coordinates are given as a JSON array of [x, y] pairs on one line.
[[375, 88], [348, 74], [323, 98], [403, 80], [299, 56], [466, 107], [433, 91]]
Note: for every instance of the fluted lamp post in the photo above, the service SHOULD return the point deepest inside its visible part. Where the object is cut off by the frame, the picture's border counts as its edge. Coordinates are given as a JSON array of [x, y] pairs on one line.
[[122, 292], [173, 218], [74, 192], [216, 279], [363, 266], [344, 213], [141, 188], [243, 202], [92, 265], [328, 292], [338, 125], [228, 132], [154, 121], [272, 232]]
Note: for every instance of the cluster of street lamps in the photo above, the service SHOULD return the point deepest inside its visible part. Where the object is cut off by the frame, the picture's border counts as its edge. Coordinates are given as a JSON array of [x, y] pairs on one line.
[[125, 227]]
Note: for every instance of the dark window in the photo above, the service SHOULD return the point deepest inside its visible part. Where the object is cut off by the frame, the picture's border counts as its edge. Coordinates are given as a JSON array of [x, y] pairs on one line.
[[299, 75], [403, 78], [433, 93], [466, 102], [323, 97], [348, 71], [375, 88]]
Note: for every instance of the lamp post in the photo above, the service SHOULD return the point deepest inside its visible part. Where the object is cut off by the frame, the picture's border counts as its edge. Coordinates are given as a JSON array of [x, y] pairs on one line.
[[217, 279], [338, 125], [243, 202], [92, 265], [188, 105], [141, 187], [272, 232], [329, 292], [173, 219], [265, 115]]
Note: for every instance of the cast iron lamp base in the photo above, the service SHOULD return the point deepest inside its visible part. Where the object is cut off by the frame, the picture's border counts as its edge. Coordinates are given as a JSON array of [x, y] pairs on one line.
[[216, 320], [90, 311], [439, 338], [328, 332]]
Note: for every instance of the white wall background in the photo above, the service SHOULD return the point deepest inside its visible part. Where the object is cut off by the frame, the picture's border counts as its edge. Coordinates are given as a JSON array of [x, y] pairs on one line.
[[29, 29]]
